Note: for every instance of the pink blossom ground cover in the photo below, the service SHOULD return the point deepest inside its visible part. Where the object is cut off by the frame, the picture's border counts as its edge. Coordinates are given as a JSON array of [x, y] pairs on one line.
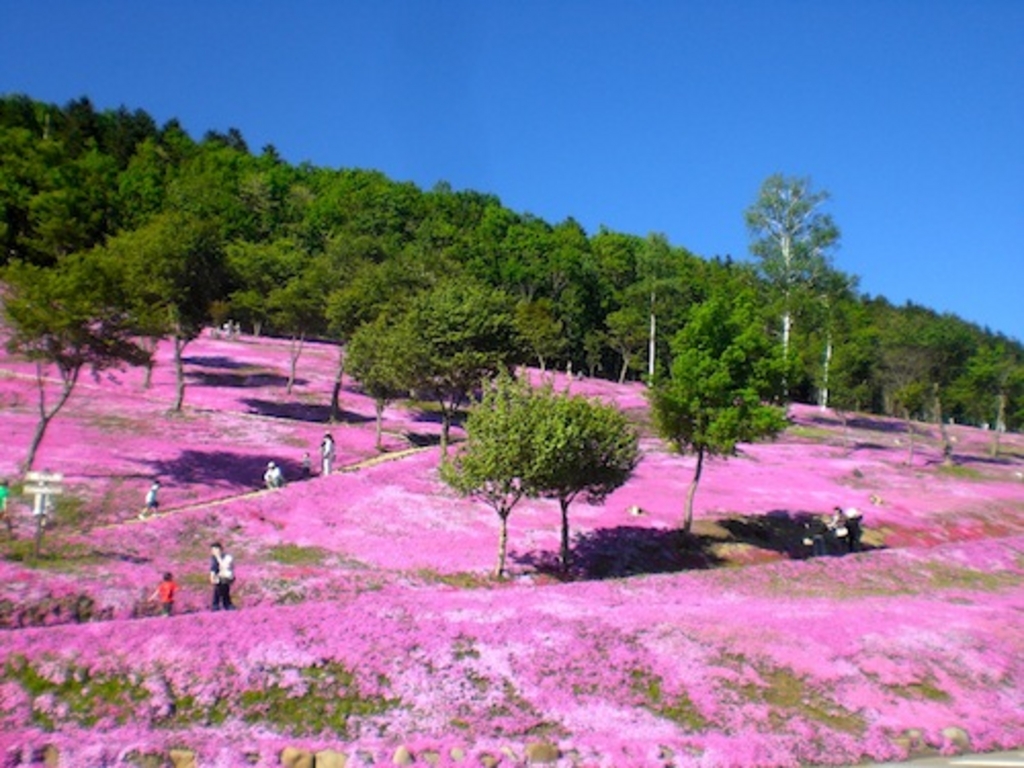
[[368, 617]]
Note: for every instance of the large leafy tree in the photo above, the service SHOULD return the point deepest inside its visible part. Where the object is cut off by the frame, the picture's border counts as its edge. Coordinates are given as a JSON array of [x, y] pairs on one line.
[[296, 307], [464, 334], [69, 317], [724, 377], [174, 270], [654, 266], [496, 462], [582, 448], [793, 239], [380, 358], [627, 331], [540, 329], [364, 290], [992, 381], [525, 442]]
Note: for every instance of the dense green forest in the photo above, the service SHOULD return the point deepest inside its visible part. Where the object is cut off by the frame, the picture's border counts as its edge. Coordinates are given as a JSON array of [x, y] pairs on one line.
[[124, 228]]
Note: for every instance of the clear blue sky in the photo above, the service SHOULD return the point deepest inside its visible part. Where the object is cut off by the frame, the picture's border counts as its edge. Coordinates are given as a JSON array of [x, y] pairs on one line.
[[643, 116]]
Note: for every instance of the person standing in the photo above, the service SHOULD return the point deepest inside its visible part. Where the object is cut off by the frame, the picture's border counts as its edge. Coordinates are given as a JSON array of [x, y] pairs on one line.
[[152, 504], [853, 526], [165, 592], [222, 576], [5, 491], [326, 454]]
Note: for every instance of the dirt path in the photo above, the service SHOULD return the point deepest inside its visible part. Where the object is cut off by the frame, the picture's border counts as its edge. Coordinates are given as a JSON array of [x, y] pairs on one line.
[[353, 467]]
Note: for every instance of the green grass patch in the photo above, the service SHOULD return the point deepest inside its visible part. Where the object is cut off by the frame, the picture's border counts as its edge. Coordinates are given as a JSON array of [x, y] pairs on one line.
[[923, 691], [293, 554], [946, 576], [330, 698], [325, 699], [790, 695], [54, 554], [78, 697], [460, 580], [677, 708], [816, 434], [960, 472]]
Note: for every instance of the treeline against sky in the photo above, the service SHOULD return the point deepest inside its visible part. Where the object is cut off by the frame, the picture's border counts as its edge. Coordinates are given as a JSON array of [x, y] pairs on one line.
[[302, 251]]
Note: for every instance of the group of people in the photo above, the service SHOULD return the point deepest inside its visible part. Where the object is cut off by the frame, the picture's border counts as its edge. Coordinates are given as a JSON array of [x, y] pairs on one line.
[[837, 534], [222, 576], [273, 477]]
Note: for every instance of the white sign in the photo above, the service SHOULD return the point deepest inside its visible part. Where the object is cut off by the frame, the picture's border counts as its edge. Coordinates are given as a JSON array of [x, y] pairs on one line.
[[44, 490], [43, 477]]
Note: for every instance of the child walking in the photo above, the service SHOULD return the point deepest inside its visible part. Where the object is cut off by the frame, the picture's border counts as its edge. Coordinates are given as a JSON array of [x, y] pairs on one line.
[[164, 593]]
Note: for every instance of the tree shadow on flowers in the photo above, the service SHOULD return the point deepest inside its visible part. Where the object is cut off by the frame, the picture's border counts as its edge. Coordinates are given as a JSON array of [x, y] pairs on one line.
[[785, 532], [622, 551], [241, 380], [222, 468], [309, 412]]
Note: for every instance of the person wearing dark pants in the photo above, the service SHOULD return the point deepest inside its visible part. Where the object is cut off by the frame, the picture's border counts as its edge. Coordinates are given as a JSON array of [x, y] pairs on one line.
[[222, 575]]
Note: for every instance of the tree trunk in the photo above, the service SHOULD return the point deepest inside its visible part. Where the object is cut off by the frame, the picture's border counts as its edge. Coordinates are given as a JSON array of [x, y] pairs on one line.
[[823, 394], [69, 378], [179, 372], [1000, 424], [499, 569], [845, 419], [294, 350], [625, 367], [691, 491], [336, 389], [910, 434], [39, 535], [446, 424], [565, 555], [787, 330], [651, 342], [379, 407], [150, 345]]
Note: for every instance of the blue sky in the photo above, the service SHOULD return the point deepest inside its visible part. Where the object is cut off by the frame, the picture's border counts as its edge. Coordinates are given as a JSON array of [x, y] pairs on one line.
[[651, 116]]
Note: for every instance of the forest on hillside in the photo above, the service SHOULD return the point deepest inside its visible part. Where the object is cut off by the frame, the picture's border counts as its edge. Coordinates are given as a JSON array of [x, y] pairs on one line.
[[115, 228]]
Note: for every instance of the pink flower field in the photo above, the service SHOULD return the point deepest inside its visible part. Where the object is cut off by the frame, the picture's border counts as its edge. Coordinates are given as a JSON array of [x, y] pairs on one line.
[[371, 632]]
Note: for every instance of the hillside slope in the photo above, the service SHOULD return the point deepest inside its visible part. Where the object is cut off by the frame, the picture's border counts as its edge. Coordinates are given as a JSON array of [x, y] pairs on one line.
[[369, 622]]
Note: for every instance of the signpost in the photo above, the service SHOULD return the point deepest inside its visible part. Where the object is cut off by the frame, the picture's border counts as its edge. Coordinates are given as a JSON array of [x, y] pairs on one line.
[[44, 486]]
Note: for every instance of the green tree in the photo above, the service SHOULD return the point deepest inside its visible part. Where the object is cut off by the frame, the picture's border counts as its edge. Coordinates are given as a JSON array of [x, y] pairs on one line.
[[654, 266], [541, 330], [525, 442], [363, 291], [626, 335], [380, 358], [495, 463], [582, 447], [792, 237], [464, 335], [71, 316], [994, 377], [725, 373], [174, 269], [297, 307], [853, 372]]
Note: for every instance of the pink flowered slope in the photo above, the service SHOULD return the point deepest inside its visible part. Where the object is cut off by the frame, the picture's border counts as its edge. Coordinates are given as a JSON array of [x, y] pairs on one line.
[[370, 588]]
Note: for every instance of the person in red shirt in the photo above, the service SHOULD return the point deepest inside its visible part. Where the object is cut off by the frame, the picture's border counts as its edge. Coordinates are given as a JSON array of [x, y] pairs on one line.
[[164, 593]]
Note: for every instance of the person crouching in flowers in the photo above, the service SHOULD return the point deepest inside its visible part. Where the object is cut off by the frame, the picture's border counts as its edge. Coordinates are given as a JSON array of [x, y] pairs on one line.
[[164, 593], [839, 534]]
